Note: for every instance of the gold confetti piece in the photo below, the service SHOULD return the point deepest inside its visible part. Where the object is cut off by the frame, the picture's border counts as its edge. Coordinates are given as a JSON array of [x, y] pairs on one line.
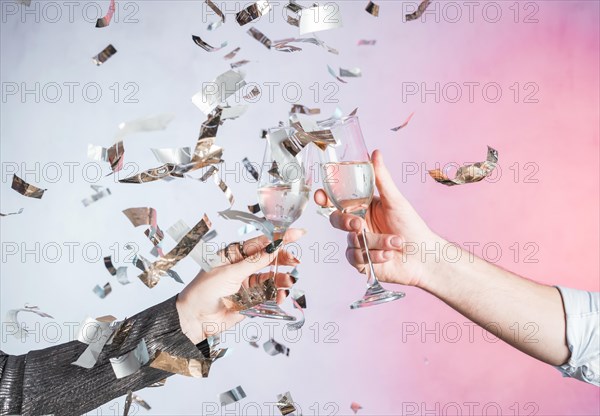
[[101, 192], [217, 92], [104, 291], [254, 208], [207, 259], [355, 407], [318, 18], [176, 156], [239, 64], [105, 21], [364, 42], [373, 9], [285, 403], [301, 138], [420, 10], [302, 109], [141, 216], [26, 189], [189, 367], [12, 213], [250, 168], [160, 267], [259, 36], [130, 363], [401, 126], [215, 9], [252, 94], [247, 298], [120, 273], [234, 395], [198, 41], [253, 12], [350, 72], [232, 54], [333, 74], [273, 347], [470, 173], [262, 224], [151, 175], [13, 327], [104, 55]]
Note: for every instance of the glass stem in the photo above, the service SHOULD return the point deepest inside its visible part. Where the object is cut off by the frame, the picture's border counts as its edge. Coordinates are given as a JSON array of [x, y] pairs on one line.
[[372, 278], [277, 235]]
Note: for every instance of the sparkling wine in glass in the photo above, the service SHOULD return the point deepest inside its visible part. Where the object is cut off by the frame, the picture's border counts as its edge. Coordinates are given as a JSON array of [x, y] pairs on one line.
[[349, 180], [283, 192]]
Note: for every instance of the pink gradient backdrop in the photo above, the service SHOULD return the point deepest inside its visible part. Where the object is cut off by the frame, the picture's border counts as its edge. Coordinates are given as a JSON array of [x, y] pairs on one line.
[[374, 361]]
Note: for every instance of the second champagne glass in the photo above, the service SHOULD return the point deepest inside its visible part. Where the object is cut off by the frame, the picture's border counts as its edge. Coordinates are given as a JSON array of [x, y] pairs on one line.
[[283, 192], [349, 181]]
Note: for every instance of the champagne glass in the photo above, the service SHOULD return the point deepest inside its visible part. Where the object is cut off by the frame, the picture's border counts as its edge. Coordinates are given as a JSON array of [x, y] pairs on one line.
[[283, 192], [349, 180]]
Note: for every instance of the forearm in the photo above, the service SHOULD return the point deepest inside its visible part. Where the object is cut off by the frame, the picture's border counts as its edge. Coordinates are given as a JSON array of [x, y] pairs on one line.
[[46, 381], [527, 315]]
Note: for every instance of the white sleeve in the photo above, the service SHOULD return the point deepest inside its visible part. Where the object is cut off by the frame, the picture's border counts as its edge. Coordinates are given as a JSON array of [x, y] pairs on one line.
[[582, 311]]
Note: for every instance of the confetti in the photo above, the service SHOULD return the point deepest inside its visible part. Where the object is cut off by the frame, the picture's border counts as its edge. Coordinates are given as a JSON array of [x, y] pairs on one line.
[[285, 403], [333, 74], [262, 224], [215, 9], [156, 270], [113, 155], [105, 21], [198, 41], [134, 398], [217, 92], [231, 113], [239, 63], [470, 173], [214, 25], [302, 109], [401, 126], [247, 298], [13, 324], [254, 208], [234, 395], [325, 211], [318, 18], [364, 42], [12, 213], [223, 187], [273, 347], [250, 168], [252, 94], [283, 45], [103, 291], [259, 36], [189, 367], [104, 55], [295, 9], [120, 273], [420, 10], [232, 54], [130, 363], [355, 407], [95, 333], [207, 259], [176, 156], [351, 72], [372, 9], [300, 297], [101, 192], [252, 12], [26, 189], [141, 216]]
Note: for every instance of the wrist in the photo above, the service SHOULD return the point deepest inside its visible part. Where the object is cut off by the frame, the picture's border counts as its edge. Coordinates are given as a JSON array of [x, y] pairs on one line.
[[188, 323], [435, 261]]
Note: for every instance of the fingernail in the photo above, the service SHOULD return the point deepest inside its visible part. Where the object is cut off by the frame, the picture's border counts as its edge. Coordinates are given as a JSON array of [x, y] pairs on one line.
[[271, 248], [396, 242], [355, 224]]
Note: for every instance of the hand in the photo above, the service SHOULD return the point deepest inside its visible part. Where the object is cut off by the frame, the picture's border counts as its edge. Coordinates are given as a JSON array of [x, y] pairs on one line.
[[401, 233], [201, 310]]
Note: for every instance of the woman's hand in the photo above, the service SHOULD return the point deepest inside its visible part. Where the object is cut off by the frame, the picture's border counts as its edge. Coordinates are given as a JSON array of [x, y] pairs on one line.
[[400, 233], [201, 310]]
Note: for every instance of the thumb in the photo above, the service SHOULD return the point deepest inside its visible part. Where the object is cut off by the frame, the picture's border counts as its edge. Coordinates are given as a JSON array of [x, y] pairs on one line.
[[239, 271], [388, 192]]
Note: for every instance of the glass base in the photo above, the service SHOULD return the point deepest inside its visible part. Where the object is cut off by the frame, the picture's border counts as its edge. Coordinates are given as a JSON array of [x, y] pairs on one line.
[[376, 295], [269, 309]]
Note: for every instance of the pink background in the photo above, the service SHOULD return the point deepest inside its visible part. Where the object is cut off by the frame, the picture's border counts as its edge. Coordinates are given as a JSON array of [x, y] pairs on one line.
[[551, 208]]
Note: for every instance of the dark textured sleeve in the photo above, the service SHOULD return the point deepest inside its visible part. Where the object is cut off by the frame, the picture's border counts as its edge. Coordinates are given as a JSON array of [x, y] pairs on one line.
[[45, 382]]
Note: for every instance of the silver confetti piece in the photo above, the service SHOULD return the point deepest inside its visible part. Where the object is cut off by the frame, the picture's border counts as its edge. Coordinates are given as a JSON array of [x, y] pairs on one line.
[[350, 72], [333, 74], [319, 18], [100, 192], [12, 322], [198, 41], [234, 395], [259, 36], [217, 92], [261, 224], [103, 291], [12, 213], [214, 25], [230, 113], [250, 168], [215, 9], [130, 363], [239, 64], [253, 12], [273, 347], [104, 55], [232, 54], [470, 173], [95, 333], [176, 156], [120, 273], [285, 403]]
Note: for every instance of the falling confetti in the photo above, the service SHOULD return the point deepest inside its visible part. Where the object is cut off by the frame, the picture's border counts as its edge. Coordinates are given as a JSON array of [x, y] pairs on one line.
[[401, 126], [470, 173]]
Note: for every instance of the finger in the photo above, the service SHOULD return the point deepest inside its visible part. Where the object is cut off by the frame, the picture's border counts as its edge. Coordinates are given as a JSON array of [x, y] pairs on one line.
[[255, 245], [375, 241], [281, 295], [358, 257], [237, 272], [321, 199], [286, 258], [346, 222]]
